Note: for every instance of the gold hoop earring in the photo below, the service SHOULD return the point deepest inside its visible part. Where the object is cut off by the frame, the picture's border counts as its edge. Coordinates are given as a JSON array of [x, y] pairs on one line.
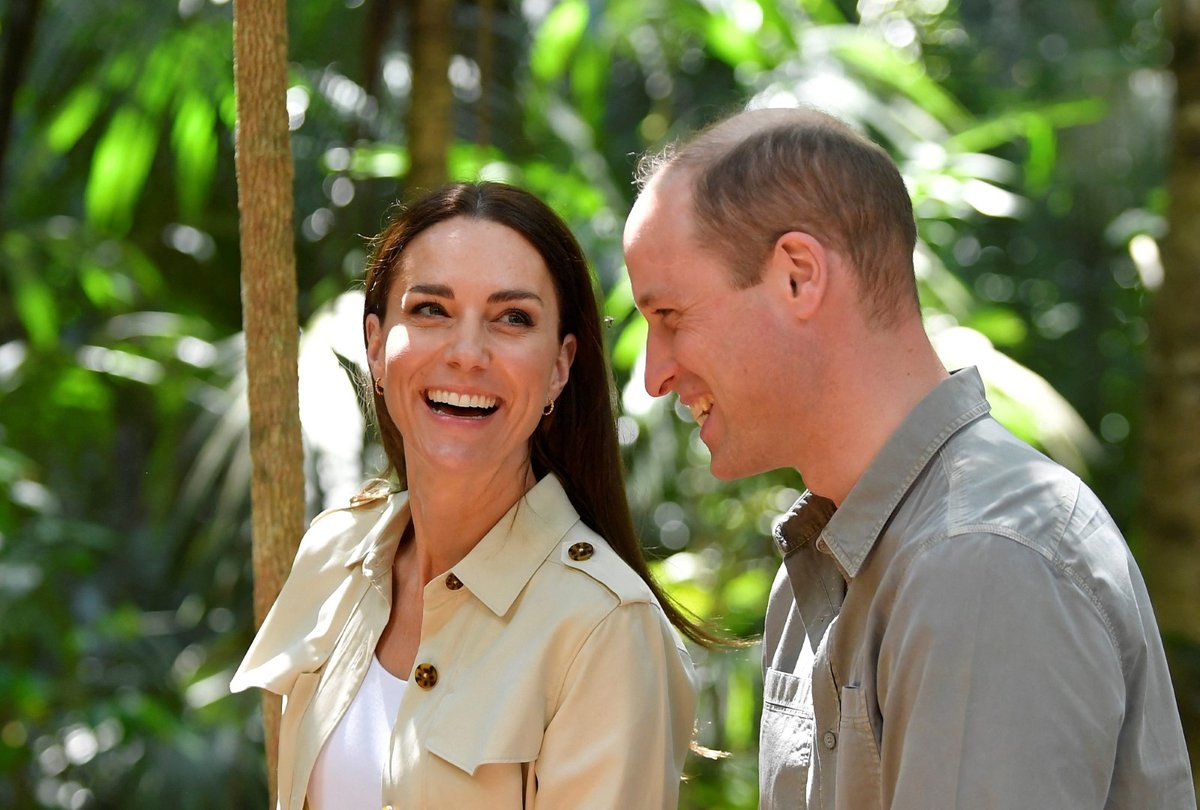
[[379, 386], [549, 409]]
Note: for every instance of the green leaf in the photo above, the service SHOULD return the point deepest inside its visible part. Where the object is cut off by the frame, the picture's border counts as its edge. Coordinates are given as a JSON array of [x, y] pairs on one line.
[[38, 313], [731, 44], [881, 62], [1000, 325], [557, 38], [379, 160], [824, 12], [629, 344], [1004, 128], [77, 114], [194, 140], [119, 170]]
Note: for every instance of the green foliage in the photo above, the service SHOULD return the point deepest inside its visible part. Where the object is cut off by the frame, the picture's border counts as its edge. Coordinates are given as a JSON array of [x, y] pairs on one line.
[[1033, 152]]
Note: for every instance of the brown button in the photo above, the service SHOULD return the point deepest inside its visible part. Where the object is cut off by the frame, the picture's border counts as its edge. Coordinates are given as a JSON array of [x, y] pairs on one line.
[[580, 552], [426, 676], [453, 582]]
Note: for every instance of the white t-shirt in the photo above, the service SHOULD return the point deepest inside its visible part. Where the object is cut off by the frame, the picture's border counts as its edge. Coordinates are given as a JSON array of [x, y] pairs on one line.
[[348, 774]]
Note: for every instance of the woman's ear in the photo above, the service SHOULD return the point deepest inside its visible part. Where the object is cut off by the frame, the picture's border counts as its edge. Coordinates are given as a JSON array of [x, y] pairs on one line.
[[375, 342], [799, 269], [562, 366]]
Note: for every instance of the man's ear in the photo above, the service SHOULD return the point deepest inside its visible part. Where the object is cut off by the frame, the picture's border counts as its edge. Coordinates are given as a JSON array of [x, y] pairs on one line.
[[799, 268]]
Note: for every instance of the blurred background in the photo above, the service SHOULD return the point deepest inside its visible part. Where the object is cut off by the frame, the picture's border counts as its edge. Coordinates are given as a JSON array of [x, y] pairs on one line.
[[1035, 139]]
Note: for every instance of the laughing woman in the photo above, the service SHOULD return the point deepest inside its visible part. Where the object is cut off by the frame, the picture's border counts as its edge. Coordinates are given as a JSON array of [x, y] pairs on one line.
[[485, 633]]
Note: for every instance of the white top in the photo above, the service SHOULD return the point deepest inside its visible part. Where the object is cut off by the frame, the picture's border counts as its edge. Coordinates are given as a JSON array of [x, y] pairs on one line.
[[348, 774]]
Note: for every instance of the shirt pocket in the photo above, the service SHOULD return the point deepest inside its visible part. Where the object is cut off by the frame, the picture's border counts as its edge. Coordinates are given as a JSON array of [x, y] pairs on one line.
[[858, 772], [785, 738]]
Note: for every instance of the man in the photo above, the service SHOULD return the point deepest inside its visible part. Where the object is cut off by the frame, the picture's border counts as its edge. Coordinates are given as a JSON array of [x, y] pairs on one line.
[[957, 622]]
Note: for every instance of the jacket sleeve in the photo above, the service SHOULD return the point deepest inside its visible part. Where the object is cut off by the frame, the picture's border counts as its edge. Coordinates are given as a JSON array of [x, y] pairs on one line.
[[1000, 684], [625, 718]]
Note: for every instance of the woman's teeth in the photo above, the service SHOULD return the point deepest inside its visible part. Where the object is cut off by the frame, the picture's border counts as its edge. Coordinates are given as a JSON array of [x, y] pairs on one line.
[[461, 400]]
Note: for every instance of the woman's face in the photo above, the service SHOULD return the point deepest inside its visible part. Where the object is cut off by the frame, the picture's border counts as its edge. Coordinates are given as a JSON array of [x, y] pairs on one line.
[[468, 352]]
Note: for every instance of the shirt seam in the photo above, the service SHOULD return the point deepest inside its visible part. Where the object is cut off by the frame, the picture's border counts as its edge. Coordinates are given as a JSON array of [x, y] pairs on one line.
[[1056, 562]]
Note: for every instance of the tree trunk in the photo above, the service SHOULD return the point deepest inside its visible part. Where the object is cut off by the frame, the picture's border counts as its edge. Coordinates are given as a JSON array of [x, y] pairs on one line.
[[264, 173], [430, 123], [1172, 417]]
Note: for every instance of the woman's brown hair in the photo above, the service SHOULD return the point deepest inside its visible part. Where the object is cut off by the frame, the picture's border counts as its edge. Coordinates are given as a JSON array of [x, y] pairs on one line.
[[578, 441]]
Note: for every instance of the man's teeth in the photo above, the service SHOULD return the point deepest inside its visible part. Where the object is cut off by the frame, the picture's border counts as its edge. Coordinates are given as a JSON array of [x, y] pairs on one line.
[[700, 409], [461, 400]]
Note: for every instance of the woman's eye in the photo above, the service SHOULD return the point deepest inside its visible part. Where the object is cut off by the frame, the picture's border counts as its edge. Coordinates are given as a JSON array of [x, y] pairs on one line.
[[517, 317], [428, 308]]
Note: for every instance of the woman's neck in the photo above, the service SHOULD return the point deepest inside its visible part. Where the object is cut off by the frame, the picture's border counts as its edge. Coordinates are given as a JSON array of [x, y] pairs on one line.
[[452, 513]]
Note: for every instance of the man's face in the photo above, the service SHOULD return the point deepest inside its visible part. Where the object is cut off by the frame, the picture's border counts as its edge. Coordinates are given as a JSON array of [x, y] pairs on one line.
[[717, 347]]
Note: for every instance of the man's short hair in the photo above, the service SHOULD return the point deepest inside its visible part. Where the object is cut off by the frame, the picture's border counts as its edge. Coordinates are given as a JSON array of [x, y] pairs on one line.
[[758, 174]]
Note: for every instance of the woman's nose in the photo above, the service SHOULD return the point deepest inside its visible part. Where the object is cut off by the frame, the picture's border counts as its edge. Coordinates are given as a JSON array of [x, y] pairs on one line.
[[467, 347]]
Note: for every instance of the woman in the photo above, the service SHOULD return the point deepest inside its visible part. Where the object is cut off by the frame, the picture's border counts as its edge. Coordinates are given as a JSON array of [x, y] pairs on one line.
[[487, 635]]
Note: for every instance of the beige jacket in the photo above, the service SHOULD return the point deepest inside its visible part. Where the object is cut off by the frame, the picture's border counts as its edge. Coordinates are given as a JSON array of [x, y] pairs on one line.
[[547, 675]]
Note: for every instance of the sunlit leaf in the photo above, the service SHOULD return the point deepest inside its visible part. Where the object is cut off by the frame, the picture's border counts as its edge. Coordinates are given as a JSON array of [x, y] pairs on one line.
[[731, 44], [36, 307], [194, 140], [882, 63], [379, 160], [1011, 124], [119, 170], [557, 38], [77, 114], [629, 345], [1002, 326], [589, 74]]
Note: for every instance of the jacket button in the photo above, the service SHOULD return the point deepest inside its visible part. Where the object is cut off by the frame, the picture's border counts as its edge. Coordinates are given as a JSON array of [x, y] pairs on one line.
[[388, 807], [830, 740], [453, 582], [580, 552], [426, 676]]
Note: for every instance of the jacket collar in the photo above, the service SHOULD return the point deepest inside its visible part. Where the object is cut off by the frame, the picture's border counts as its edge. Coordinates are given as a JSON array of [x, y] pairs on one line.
[[851, 530], [502, 562]]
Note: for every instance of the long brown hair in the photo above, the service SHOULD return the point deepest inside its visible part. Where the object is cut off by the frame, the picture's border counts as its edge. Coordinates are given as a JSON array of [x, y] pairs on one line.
[[578, 441]]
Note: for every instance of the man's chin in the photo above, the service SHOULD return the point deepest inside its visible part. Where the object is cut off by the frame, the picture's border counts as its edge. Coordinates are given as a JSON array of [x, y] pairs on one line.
[[725, 469]]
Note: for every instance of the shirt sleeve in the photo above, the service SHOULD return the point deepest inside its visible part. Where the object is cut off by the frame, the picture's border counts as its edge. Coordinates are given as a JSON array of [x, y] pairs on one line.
[[623, 725], [999, 683]]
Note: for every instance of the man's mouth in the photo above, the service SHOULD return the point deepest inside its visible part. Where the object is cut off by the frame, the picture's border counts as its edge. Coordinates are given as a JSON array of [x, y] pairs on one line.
[[700, 409], [473, 406]]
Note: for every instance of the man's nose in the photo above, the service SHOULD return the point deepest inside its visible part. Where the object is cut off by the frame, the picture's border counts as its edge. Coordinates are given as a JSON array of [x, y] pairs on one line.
[[660, 366]]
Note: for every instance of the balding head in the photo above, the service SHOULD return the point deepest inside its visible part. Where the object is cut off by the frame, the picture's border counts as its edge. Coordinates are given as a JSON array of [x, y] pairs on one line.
[[762, 173]]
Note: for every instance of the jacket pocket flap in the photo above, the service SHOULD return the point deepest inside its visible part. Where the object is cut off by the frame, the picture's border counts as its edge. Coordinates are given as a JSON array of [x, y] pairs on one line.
[[468, 735]]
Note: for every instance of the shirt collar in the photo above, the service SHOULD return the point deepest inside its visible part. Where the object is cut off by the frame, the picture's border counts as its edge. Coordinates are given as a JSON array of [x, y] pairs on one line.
[[851, 530]]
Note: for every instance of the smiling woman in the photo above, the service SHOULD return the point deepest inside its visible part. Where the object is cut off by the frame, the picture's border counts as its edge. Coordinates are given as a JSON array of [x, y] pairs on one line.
[[486, 631]]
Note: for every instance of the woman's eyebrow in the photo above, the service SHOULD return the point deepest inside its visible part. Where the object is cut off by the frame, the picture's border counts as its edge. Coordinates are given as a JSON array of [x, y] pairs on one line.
[[503, 296], [438, 290], [498, 297]]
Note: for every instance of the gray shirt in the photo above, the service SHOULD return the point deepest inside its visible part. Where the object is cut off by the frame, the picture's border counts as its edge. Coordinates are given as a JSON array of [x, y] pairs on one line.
[[968, 630]]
